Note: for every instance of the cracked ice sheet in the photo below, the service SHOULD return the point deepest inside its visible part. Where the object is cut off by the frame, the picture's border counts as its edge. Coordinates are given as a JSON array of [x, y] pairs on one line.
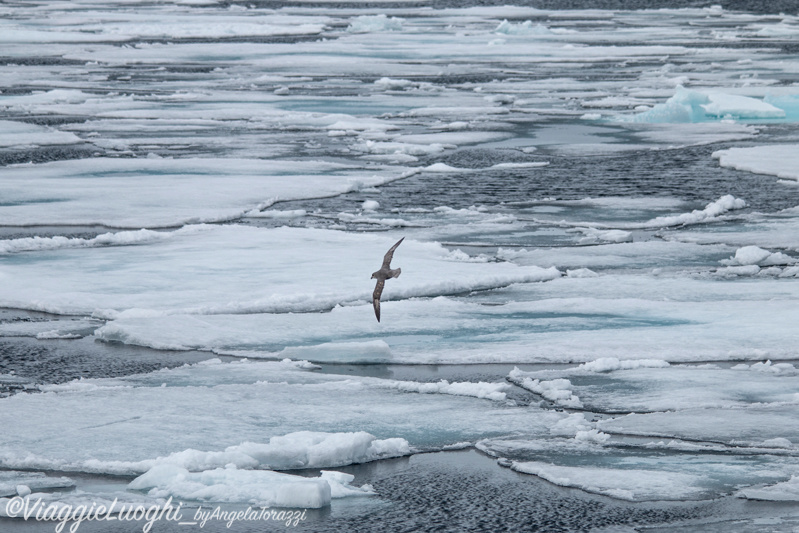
[[144, 417], [568, 319], [640, 475], [664, 388], [165, 192], [234, 269], [753, 425], [577, 455]]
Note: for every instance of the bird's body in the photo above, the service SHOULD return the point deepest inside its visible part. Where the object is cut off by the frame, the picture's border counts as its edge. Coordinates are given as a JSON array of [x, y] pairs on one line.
[[385, 272]]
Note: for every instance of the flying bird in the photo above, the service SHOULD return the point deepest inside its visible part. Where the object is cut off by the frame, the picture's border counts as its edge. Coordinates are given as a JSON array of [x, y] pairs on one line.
[[385, 272]]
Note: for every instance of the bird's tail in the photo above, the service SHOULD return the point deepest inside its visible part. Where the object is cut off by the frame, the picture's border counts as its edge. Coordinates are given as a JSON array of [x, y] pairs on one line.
[[396, 272]]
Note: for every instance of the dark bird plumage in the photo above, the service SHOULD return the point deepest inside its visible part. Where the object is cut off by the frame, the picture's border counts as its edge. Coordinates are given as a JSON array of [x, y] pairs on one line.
[[385, 272]]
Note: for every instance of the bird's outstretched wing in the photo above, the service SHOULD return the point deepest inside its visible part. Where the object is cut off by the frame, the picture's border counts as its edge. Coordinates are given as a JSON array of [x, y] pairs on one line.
[[376, 297], [390, 254]]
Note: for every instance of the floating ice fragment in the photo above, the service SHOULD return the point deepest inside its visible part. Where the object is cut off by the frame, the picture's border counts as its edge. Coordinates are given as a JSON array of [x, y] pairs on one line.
[[20, 135], [370, 205], [712, 210], [581, 273], [781, 160], [591, 435], [571, 425], [754, 255], [489, 391], [260, 487], [14, 483], [787, 491], [375, 23], [522, 28], [558, 390], [622, 483], [693, 106]]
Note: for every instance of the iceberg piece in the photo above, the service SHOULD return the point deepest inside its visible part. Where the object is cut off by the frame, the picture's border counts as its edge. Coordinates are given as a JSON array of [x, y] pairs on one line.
[[694, 106]]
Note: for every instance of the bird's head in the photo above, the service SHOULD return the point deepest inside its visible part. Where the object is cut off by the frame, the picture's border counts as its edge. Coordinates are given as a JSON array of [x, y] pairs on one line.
[[374, 275]]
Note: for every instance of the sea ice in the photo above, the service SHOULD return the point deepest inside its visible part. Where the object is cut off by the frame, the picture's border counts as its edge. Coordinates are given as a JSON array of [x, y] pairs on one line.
[[781, 160], [248, 269], [144, 419], [258, 487], [135, 193], [694, 106]]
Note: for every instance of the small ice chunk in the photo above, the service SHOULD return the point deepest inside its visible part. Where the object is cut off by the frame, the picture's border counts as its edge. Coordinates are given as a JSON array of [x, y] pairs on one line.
[[375, 23], [261, 487], [591, 435], [581, 273], [558, 390], [754, 255], [370, 205]]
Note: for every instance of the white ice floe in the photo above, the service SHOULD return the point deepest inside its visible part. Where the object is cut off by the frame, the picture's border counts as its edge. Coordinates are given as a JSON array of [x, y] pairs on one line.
[[787, 491], [611, 364], [522, 28], [144, 418], [250, 270], [597, 235], [754, 255], [490, 391], [375, 23], [625, 484], [581, 273], [15, 483], [258, 487], [608, 385], [558, 391], [781, 160], [164, 192], [50, 328], [768, 366], [19, 135], [711, 211], [754, 423], [278, 214]]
